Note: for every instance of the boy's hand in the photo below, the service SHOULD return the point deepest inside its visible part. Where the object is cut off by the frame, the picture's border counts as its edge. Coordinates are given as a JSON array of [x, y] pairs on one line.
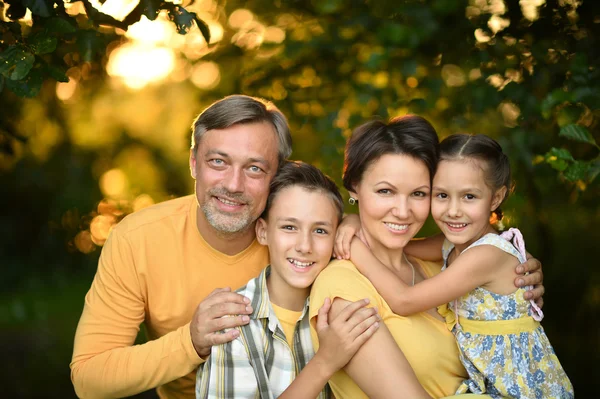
[[349, 227], [208, 319], [341, 338], [535, 278]]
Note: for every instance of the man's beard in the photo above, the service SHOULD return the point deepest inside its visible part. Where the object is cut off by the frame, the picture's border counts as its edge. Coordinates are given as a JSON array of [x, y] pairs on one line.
[[225, 222]]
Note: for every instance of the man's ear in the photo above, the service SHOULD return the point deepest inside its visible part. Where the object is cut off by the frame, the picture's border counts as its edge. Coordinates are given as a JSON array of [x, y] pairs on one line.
[[193, 163], [261, 231], [498, 197]]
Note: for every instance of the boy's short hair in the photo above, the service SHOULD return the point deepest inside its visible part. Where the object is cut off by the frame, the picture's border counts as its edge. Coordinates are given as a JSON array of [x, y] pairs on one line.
[[309, 177]]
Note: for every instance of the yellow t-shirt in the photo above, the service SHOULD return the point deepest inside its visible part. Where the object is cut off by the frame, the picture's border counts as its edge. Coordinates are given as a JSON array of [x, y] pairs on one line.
[[287, 318], [426, 342], [154, 268]]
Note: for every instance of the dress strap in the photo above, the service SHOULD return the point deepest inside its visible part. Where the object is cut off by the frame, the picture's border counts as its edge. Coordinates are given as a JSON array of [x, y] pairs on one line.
[[516, 238]]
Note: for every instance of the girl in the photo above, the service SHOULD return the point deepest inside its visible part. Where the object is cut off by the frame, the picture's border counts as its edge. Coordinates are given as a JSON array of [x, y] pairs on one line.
[[502, 345]]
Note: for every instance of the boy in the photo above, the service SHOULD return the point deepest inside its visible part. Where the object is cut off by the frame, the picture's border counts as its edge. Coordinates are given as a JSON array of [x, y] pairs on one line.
[[272, 355]]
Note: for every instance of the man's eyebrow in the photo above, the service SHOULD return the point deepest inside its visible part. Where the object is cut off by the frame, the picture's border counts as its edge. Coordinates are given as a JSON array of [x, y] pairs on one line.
[[216, 152], [261, 161]]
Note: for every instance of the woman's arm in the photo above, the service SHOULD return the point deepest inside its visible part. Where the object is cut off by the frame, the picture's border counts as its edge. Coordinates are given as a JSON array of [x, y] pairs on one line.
[[339, 340], [471, 269], [379, 367]]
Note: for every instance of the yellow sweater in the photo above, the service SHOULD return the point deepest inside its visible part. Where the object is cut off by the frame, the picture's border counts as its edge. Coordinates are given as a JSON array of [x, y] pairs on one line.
[[154, 268], [428, 345]]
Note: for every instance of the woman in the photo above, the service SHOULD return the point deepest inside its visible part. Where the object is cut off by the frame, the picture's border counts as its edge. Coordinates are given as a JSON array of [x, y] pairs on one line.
[[388, 171]]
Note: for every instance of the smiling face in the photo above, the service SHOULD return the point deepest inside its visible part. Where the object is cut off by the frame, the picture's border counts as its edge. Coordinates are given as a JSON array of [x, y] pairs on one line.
[[393, 200], [299, 231], [233, 168], [462, 202]]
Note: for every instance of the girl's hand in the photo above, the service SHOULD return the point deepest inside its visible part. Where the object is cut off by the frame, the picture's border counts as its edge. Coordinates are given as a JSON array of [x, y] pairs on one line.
[[349, 227], [341, 338]]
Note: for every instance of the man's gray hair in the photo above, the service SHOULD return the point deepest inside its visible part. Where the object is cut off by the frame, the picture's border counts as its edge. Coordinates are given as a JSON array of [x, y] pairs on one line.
[[241, 109]]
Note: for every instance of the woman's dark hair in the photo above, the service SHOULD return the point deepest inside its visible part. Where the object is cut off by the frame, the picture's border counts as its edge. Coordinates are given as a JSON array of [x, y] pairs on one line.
[[407, 135], [497, 167], [296, 173]]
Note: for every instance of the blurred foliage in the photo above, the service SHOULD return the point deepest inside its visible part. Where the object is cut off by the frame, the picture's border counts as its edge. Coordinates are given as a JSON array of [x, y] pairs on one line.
[[94, 124]]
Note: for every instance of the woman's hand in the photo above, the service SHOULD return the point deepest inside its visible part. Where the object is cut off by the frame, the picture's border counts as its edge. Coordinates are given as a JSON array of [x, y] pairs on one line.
[[535, 278], [349, 227], [341, 338]]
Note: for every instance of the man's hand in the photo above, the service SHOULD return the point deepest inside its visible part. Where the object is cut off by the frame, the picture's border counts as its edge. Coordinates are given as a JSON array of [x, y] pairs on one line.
[[535, 278], [208, 319], [343, 337]]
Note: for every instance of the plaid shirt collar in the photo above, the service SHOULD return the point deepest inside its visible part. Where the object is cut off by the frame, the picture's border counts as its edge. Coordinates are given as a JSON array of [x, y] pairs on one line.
[[257, 292]]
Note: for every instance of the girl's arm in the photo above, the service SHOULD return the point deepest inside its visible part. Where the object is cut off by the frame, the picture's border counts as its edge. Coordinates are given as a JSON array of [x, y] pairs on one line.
[[380, 368], [473, 268], [428, 248], [339, 340]]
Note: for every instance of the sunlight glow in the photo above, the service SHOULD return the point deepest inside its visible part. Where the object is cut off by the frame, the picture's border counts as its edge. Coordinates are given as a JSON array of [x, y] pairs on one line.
[[83, 242], [113, 183], [142, 202], [100, 228], [497, 23], [154, 32], [64, 91], [138, 65], [239, 17], [117, 9], [530, 8], [453, 75], [206, 75]]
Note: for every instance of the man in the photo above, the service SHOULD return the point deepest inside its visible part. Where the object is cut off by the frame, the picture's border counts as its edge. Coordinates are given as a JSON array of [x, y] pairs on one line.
[[163, 265], [160, 263]]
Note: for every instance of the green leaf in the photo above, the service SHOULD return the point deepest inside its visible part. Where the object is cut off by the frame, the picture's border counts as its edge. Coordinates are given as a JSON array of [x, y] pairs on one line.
[[151, 8], [559, 158], [558, 96], [43, 8], [561, 153], [89, 44], [1, 83], [56, 73], [182, 18], [203, 28], [594, 170], [16, 62], [577, 133], [59, 26], [577, 171], [28, 87], [41, 43]]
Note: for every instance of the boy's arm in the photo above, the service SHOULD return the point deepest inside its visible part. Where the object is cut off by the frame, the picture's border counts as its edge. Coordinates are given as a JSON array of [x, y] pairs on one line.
[[338, 342], [105, 362], [471, 269], [428, 248], [227, 373]]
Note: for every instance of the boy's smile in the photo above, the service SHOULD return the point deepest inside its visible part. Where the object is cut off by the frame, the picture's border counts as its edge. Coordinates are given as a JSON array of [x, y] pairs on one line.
[[299, 231]]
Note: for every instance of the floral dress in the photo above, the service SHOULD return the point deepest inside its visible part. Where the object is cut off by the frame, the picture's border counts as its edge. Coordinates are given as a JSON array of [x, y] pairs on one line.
[[502, 345]]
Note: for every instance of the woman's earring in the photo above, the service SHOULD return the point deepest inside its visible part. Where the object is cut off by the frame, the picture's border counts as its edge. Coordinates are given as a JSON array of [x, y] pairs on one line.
[[352, 200]]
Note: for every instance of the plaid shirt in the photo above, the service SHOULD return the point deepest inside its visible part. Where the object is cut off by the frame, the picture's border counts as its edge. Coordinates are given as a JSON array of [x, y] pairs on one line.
[[259, 363]]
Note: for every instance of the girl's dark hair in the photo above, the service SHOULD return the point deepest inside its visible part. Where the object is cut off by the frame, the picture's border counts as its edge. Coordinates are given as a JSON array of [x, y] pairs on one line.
[[408, 135], [484, 148], [296, 173]]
